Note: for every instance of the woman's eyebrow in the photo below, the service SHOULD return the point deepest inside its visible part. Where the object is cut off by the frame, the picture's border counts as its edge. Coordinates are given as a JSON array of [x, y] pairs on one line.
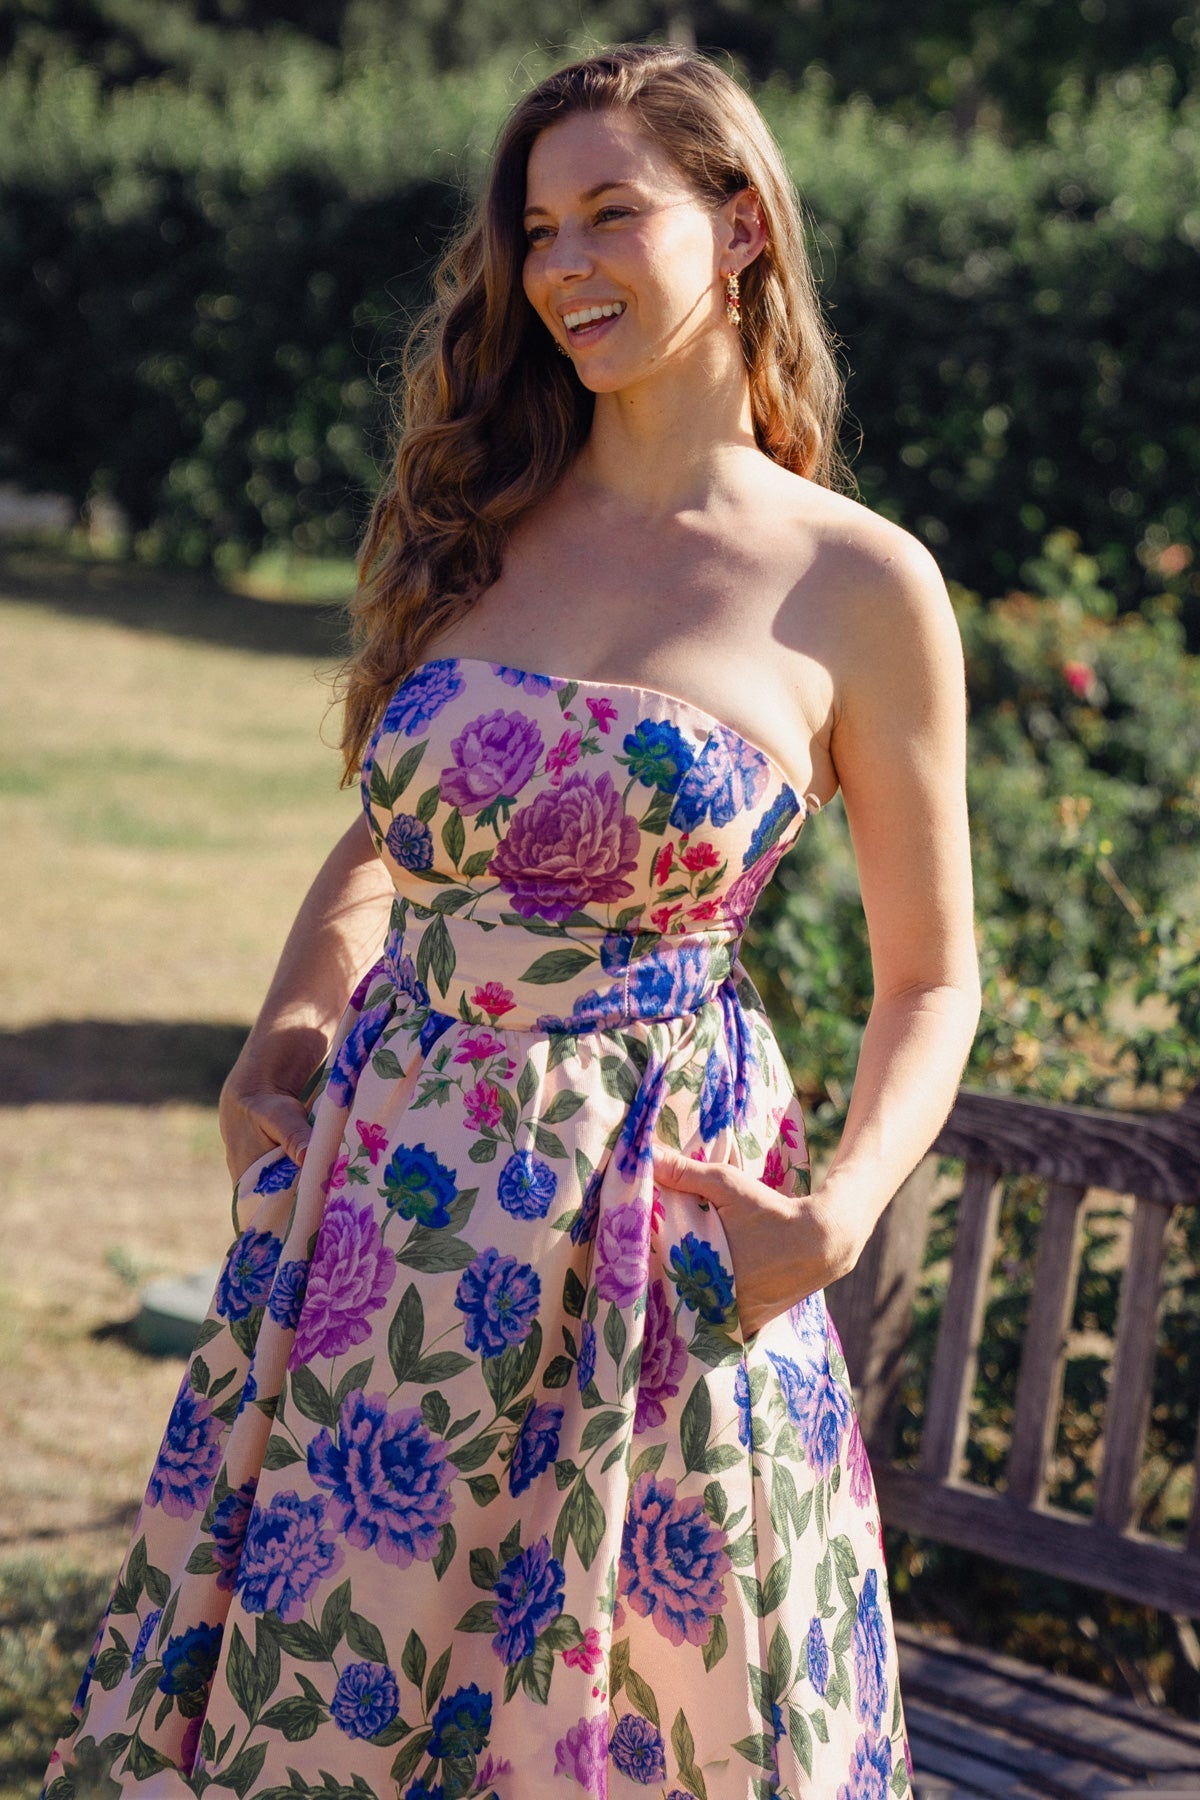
[[593, 193]]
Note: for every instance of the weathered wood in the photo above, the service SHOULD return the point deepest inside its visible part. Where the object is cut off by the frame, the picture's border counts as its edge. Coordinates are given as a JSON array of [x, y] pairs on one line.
[[1000, 1761], [1051, 1541], [953, 1379], [1193, 1530], [1128, 1409], [872, 1307], [1043, 1353], [1155, 1155]]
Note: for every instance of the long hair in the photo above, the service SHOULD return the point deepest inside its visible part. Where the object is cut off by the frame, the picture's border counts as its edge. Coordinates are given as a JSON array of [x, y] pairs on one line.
[[492, 418]]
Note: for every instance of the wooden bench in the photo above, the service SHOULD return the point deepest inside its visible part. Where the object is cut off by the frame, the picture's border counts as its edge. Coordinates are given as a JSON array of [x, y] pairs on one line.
[[983, 1724]]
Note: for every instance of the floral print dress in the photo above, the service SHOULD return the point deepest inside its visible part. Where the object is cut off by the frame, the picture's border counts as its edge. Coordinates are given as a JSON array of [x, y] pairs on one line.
[[473, 1486]]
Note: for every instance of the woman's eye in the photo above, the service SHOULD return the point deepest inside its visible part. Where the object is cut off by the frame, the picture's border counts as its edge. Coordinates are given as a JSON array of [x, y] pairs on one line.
[[537, 234], [609, 213]]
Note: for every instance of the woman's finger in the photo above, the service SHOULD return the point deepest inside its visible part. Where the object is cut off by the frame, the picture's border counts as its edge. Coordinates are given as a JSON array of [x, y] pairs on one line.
[[283, 1119], [716, 1182]]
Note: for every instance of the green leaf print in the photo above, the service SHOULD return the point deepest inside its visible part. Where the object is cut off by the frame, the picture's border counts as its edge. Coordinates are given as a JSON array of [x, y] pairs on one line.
[[387, 1065], [355, 1377], [779, 1661], [682, 1741], [694, 1427], [536, 1674], [406, 1762], [641, 1697], [406, 1334], [614, 1332], [297, 1719], [427, 803], [757, 1748], [335, 1616], [485, 1568], [310, 1397], [505, 1375], [558, 1372], [111, 1664], [528, 1082], [433, 1252], [649, 1460], [483, 1489], [454, 838], [279, 1455], [451, 898], [442, 1365], [300, 1640], [600, 1429], [801, 1738], [365, 1639], [144, 1761], [476, 864], [483, 1150], [563, 1106], [586, 1521], [548, 1143], [412, 1658], [478, 1617], [556, 966], [437, 1679]]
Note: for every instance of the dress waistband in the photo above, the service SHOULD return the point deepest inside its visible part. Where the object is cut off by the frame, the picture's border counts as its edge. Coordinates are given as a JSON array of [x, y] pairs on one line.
[[579, 980]]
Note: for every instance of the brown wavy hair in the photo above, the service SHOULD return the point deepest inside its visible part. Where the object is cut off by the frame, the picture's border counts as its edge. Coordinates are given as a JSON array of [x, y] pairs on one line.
[[492, 418]]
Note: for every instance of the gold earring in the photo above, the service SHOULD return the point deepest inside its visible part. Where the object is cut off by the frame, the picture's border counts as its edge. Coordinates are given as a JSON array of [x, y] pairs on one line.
[[561, 348], [733, 299]]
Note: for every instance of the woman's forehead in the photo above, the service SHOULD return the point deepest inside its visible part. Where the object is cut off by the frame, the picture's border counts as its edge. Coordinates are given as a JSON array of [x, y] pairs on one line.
[[588, 150]]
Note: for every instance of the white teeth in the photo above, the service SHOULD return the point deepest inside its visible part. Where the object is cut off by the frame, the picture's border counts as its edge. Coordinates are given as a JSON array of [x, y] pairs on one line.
[[586, 315]]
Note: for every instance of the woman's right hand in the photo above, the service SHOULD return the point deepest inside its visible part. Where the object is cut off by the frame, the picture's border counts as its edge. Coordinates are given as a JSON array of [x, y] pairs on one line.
[[257, 1116]]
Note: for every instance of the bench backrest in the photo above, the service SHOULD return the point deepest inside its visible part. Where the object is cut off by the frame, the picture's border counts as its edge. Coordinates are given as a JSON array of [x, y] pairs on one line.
[[1155, 1158]]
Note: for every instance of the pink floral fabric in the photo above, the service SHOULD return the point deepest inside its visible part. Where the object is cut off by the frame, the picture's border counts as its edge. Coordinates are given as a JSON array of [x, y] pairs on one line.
[[474, 1485]]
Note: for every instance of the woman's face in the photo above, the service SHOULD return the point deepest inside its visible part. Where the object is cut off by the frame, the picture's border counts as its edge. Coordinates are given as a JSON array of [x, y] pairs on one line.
[[614, 229]]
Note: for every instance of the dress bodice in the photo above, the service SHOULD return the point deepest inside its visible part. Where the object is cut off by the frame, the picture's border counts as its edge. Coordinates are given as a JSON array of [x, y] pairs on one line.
[[566, 853]]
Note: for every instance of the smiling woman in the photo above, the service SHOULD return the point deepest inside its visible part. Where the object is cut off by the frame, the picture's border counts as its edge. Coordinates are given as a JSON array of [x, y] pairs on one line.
[[519, 1371]]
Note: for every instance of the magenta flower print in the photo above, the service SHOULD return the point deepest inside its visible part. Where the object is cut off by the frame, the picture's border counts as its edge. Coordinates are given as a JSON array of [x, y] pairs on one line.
[[478, 1046], [494, 756], [373, 1138], [672, 1561], [858, 1468], [563, 755], [481, 1107], [189, 1458], [587, 1655], [664, 1359], [387, 1478], [494, 999], [352, 1273], [604, 712], [623, 1252], [567, 849], [582, 1755], [286, 1555]]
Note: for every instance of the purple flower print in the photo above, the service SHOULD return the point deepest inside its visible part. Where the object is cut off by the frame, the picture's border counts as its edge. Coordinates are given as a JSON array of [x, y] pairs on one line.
[[365, 1700], [248, 1273], [277, 1176], [285, 1556], [672, 1561], [569, 847], [705, 1284], [387, 1478], [524, 678], [637, 1750], [146, 1631], [354, 1053], [189, 1458], [409, 841], [664, 1359], [623, 1252], [869, 1643], [287, 1294], [189, 1663], [352, 1272], [727, 777], [810, 1322], [716, 1097], [418, 1186], [527, 1185], [422, 696], [585, 1368], [858, 1468], [499, 1296], [536, 1446], [741, 1395], [529, 1596], [462, 1723], [582, 1755], [669, 981], [870, 1770], [229, 1521], [741, 897], [818, 1407], [494, 756], [817, 1661]]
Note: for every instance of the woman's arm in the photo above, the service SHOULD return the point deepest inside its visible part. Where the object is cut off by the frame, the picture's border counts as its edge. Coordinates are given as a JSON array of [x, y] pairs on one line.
[[336, 933], [899, 747]]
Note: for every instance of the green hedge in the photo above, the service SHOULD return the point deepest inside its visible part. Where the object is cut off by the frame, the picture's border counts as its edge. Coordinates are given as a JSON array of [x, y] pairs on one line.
[[205, 284]]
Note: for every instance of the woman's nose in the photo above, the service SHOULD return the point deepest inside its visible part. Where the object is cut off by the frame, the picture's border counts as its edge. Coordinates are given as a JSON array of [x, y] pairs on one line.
[[569, 253]]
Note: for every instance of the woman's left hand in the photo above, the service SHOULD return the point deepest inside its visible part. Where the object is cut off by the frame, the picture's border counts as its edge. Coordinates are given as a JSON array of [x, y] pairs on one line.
[[784, 1247]]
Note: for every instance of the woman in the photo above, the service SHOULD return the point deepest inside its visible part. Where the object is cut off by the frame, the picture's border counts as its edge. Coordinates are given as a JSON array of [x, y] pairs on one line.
[[518, 1449]]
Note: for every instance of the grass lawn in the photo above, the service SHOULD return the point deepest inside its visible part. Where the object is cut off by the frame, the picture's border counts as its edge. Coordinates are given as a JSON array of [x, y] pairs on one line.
[[165, 796]]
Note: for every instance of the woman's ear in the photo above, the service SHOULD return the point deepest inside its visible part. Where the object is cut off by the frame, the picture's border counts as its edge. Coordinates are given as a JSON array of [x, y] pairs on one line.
[[745, 233]]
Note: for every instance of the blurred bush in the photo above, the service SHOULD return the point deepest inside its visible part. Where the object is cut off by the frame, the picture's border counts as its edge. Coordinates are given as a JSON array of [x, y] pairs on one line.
[[208, 273]]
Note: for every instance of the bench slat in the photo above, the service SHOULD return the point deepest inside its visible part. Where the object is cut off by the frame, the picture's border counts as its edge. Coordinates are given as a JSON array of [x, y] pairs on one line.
[[953, 1379], [1043, 1353], [1128, 1409]]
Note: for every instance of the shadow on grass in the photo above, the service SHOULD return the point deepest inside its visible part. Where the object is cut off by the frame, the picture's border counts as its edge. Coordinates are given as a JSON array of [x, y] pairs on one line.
[[112, 1062], [172, 603]]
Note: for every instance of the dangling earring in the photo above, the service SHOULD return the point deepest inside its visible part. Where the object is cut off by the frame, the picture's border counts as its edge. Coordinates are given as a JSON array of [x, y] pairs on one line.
[[561, 348], [733, 299]]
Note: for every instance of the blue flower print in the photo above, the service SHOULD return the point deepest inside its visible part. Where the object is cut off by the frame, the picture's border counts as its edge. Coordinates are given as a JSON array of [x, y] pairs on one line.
[[387, 1478], [527, 1186], [529, 1596], [739, 1044], [659, 754], [869, 1643], [524, 678], [188, 1460], [772, 825], [818, 1407], [354, 1053], [228, 1529], [422, 697], [247, 1275], [727, 777], [287, 1294], [249, 1393], [536, 1446], [585, 1368], [285, 1556], [146, 1631], [189, 1663], [818, 1655], [418, 1186], [421, 1791], [365, 1700], [716, 1097], [616, 948], [434, 1026], [870, 1770], [741, 1395], [584, 1228], [633, 1149], [462, 1724], [670, 981], [410, 842], [704, 1283], [499, 1296], [637, 1750], [277, 1176]]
